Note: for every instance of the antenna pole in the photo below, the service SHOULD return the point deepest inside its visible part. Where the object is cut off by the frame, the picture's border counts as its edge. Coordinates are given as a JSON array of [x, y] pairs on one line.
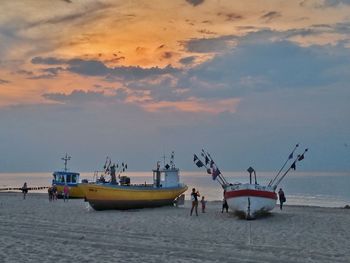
[[66, 159]]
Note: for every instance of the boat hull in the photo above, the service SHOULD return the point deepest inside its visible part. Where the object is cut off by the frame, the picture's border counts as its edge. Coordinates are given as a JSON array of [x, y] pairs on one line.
[[104, 196], [249, 200], [75, 191]]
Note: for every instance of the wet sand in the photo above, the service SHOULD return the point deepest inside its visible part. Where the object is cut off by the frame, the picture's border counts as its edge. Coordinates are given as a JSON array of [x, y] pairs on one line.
[[36, 230]]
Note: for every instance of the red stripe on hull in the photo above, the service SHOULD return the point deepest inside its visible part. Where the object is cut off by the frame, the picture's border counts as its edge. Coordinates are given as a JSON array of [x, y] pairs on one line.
[[250, 192]]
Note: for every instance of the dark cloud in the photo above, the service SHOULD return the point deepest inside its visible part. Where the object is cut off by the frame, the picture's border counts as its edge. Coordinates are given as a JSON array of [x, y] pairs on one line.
[[187, 60], [97, 68], [3, 81], [269, 16], [207, 32], [264, 66], [332, 3], [231, 16], [208, 45], [53, 71], [195, 2], [25, 72], [48, 61], [167, 55], [324, 4], [75, 96]]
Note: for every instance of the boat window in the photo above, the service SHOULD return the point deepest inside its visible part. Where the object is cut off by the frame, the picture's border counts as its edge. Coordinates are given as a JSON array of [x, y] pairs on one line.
[[59, 178], [74, 178], [69, 176]]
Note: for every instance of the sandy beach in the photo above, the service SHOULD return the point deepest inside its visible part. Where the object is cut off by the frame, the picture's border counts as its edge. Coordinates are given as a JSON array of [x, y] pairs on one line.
[[34, 230]]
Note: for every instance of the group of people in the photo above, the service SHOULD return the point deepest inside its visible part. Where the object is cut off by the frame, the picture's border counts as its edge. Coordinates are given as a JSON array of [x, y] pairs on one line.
[[53, 193], [194, 198], [195, 194]]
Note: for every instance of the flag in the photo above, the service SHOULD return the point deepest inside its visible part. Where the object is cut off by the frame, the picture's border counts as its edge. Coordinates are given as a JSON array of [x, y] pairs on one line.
[[290, 156], [211, 164], [199, 163], [301, 157], [293, 166], [215, 173], [206, 160]]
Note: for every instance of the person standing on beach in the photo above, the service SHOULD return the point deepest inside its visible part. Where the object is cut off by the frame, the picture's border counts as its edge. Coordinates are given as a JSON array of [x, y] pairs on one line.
[[203, 202], [194, 198], [24, 190], [224, 206], [65, 193], [281, 197]]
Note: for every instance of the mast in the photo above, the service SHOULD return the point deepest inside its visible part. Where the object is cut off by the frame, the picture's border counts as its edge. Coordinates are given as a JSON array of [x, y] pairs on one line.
[[211, 168], [293, 166], [66, 159], [290, 156]]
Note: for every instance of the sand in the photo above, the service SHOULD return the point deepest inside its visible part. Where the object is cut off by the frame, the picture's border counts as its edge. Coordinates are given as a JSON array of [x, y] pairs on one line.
[[35, 230]]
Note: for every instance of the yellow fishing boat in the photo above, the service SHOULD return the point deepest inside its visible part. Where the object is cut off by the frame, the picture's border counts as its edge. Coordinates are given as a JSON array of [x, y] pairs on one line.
[[72, 179], [166, 187]]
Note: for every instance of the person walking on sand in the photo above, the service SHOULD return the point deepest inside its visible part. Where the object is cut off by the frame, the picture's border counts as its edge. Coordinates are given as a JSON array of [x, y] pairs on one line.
[[65, 193], [49, 191], [281, 197], [203, 202], [24, 190], [194, 198], [224, 206]]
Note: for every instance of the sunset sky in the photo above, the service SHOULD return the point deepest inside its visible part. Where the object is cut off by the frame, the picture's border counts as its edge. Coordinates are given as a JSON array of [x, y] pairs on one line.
[[134, 80]]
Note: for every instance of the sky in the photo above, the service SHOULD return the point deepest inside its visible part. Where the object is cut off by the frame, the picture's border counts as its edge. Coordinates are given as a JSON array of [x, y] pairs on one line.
[[134, 80]]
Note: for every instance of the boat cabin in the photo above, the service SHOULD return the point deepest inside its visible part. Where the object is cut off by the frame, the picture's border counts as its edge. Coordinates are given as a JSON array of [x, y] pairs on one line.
[[168, 176], [64, 177]]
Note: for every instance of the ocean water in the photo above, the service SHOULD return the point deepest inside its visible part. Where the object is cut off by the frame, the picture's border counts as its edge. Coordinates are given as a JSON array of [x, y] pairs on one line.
[[312, 188]]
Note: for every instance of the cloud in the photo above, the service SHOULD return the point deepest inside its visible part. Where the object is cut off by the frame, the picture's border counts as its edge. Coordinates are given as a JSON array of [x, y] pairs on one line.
[[231, 16], [98, 68], [195, 2], [187, 60], [3, 81], [266, 65], [210, 45], [269, 16], [75, 96], [48, 61]]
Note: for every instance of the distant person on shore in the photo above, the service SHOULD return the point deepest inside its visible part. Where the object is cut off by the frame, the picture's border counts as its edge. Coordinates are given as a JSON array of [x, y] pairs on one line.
[[203, 202], [281, 197], [224, 206], [194, 198], [65, 193], [54, 193], [49, 191], [24, 190]]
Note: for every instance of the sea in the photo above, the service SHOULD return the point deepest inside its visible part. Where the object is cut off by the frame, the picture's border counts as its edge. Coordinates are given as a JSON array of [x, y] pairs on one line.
[[324, 189]]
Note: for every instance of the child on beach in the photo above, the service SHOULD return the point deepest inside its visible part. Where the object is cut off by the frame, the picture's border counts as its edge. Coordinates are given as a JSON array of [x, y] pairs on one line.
[[203, 202], [65, 193], [194, 199]]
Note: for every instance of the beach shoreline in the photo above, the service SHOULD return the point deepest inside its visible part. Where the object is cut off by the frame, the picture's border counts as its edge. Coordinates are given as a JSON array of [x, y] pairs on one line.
[[38, 230]]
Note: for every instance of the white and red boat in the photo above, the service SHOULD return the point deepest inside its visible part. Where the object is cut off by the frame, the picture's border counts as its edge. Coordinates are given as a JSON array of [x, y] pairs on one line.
[[248, 200]]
